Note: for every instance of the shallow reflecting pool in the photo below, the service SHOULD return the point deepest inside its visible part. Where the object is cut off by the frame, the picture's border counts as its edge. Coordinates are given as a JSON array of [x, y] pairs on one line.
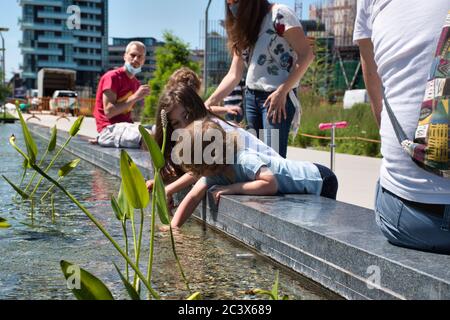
[[30, 251]]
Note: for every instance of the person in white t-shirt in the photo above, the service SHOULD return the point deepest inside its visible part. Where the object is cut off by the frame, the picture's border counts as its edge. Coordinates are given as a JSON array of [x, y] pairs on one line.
[[270, 39], [397, 40]]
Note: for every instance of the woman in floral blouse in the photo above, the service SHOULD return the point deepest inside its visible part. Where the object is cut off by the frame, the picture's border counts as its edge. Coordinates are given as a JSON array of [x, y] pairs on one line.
[[269, 40]]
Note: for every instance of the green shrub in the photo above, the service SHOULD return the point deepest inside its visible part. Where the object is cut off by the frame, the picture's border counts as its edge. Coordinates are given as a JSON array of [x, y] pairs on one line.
[[361, 124]]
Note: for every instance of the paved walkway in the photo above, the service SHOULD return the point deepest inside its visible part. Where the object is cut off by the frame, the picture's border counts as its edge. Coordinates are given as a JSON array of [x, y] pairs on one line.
[[357, 175]]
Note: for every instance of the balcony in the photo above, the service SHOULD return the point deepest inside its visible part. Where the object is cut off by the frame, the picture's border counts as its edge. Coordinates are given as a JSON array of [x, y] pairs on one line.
[[41, 3], [89, 45], [87, 56], [91, 22], [52, 15], [61, 40], [56, 64], [42, 51], [40, 26], [89, 68], [90, 10], [87, 33]]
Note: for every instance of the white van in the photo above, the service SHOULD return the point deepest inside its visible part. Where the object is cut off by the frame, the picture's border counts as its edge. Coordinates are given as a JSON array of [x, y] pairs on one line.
[[64, 100]]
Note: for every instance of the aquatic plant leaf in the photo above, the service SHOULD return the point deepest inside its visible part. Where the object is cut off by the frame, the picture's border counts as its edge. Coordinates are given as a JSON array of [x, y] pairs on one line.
[[84, 285], [52, 144], [263, 293], [25, 164], [124, 205], [161, 200], [116, 208], [275, 286], [76, 126], [153, 148], [23, 194], [32, 149], [68, 168], [4, 223], [133, 181], [195, 296], [130, 289]]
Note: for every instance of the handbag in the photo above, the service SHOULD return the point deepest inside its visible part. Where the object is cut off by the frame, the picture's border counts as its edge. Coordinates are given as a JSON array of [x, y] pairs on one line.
[[431, 145]]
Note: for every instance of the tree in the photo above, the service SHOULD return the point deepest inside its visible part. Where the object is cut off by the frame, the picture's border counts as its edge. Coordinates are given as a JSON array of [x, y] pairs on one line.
[[318, 78], [170, 57]]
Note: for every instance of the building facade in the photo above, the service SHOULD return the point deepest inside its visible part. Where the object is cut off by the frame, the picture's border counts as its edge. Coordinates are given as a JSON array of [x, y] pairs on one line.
[[117, 50], [65, 34]]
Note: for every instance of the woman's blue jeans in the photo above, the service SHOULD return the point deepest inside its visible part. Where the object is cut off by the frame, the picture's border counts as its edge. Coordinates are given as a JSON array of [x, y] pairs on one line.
[[275, 135]]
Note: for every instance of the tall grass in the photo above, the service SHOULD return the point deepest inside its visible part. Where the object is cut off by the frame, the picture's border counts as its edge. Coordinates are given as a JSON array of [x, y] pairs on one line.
[[361, 124]]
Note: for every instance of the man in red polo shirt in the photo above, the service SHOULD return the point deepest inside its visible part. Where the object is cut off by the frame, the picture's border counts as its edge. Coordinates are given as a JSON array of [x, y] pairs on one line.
[[118, 93]]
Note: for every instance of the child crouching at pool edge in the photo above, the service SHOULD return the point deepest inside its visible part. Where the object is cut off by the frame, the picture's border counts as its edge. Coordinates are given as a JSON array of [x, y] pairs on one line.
[[228, 168]]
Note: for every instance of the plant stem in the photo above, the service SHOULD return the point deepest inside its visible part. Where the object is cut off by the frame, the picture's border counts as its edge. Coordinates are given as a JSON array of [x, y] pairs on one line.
[[49, 190], [133, 228], [35, 173], [32, 211], [172, 239], [102, 229], [52, 200], [124, 227], [21, 182], [152, 236], [51, 164], [141, 229]]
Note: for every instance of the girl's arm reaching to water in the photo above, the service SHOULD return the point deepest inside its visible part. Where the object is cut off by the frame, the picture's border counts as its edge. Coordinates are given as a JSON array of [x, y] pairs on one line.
[[189, 203]]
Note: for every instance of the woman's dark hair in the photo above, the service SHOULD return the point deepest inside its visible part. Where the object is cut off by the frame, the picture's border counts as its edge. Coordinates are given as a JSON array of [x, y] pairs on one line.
[[187, 97], [243, 30]]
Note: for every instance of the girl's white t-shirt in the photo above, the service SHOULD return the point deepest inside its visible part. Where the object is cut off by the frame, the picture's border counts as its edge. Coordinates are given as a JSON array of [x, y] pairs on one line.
[[272, 59], [405, 36]]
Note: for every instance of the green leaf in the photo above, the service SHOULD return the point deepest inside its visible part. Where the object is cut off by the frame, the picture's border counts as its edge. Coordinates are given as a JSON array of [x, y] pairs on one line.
[[275, 286], [24, 195], [76, 126], [264, 292], [68, 168], [25, 164], [52, 144], [31, 145], [130, 289], [124, 205], [195, 296], [153, 148], [4, 223], [133, 181], [161, 200], [90, 287], [116, 208]]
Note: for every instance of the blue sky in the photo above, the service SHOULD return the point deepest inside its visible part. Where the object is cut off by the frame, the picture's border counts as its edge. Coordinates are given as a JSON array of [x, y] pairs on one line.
[[134, 18]]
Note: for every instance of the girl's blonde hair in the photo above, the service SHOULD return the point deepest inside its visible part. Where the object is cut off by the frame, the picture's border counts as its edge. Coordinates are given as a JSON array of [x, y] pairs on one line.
[[185, 76], [221, 156]]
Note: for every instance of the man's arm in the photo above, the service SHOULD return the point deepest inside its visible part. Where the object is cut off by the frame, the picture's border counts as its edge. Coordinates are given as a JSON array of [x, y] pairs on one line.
[[371, 77], [113, 108]]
